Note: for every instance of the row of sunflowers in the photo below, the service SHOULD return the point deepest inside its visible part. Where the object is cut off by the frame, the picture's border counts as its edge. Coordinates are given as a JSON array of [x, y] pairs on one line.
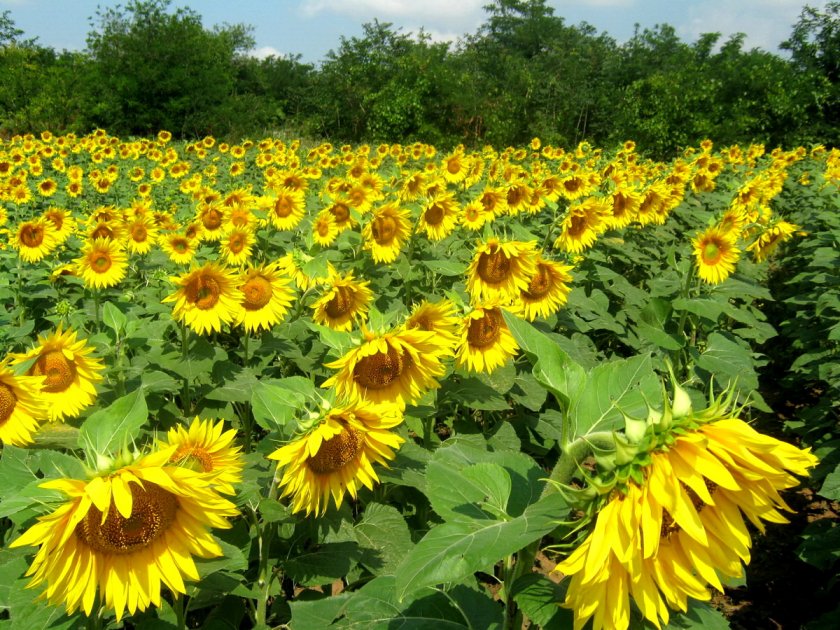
[[355, 288]]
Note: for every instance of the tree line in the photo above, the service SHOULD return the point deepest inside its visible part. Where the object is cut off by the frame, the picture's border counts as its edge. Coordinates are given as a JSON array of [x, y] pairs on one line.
[[525, 72]]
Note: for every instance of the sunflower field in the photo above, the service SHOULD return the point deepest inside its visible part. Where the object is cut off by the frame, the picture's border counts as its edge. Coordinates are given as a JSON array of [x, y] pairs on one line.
[[280, 384]]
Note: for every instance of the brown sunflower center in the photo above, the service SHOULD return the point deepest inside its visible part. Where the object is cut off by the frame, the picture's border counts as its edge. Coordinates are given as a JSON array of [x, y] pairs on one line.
[[341, 212], [540, 284], [59, 372], [236, 243], [486, 330], [384, 229], [341, 303], [336, 452], [103, 231], [32, 235], [620, 203], [204, 292], [573, 184], [153, 511], [378, 371], [192, 457], [212, 219], [283, 207], [139, 233], [180, 245], [323, 228], [422, 322], [100, 262], [516, 196], [434, 214], [8, 400], [577, 226], [257, 292], [494, 267], [56, 219]]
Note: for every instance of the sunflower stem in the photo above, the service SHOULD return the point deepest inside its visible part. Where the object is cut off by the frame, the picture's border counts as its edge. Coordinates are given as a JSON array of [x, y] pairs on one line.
[[186, 405], [573, 455], [245, 339], [684, 293], [96, 310], [19, 297], [180, 612], [265, 535]]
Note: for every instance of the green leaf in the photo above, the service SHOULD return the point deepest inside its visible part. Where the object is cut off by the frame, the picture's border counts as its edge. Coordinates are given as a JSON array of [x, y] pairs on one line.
[[458, 494], [538, 597], [108, 430], [553, 368], [276, 403], [376, 605], [700, 616], [445, 267], [473, 393], [729, 361], [704, 307], [317, 613], [384, 538], [831, 486], [625, 386], [114, 318], [453, 551], [323, 564]]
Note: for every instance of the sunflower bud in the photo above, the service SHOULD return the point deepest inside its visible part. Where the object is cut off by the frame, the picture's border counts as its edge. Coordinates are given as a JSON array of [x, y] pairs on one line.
[[682, 402]]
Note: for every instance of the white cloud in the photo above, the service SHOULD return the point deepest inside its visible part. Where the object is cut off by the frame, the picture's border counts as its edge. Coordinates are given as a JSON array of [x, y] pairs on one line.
[[435, 9], [263, 52], [767, 23]]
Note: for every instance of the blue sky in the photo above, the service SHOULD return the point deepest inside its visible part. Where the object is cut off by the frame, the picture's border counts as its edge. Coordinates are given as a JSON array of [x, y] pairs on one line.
[[312, 27]]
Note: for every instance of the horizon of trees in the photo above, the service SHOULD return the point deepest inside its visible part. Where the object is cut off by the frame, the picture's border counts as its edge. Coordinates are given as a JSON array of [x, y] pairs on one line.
[[523, 73]]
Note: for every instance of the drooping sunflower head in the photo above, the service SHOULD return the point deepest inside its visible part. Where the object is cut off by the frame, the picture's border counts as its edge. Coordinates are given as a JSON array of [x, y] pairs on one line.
[[673, 523], [396, 367], [344, 300], [69, 372], [103, 263], [486, 341], [126, 529], [337, 455], [206, 298], [500, 270], [547, 289], [770, 239], [266, 297], [715, 254], [21, 406]]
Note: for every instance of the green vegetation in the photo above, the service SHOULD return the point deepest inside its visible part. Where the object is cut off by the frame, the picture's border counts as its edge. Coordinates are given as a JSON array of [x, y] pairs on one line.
[[524, 73]]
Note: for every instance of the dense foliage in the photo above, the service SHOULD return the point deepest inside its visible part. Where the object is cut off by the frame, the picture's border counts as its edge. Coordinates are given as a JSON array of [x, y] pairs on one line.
[[524, 72]]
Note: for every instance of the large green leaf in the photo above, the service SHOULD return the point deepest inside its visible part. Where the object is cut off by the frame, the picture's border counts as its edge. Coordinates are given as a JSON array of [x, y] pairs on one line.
[[625, 386], [276, 403], [553, 367], [384, 538], [452, 551], [117, 425], [323, 564]]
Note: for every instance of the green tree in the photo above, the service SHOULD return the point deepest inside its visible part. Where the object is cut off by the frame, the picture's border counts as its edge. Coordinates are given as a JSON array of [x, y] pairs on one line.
[[157, 69]]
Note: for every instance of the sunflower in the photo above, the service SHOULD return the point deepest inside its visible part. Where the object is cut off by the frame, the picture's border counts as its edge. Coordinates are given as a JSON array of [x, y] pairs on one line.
[[125, 534], [385, 233], [62, 221], [266, 297], [287, 208], [547, 289], [438, 318], [455, 166], [103, 263], [236, 246], [142, 234], [207, 448], [486, 341], [500, 270], [179, 248], [439, 217], [212, 219], [340, 211], [21, 406], [35, 239], [68, 370], [625, 202], [343, 301], [677, 523], [716, 254], [397, 367], [475, 216], [207, 297], [770, 239], [584, 221], [337, 454]]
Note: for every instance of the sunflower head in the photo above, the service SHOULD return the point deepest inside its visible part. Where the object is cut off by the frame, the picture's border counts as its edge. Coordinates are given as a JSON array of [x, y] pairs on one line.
[[206, 298], [337, 453]]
